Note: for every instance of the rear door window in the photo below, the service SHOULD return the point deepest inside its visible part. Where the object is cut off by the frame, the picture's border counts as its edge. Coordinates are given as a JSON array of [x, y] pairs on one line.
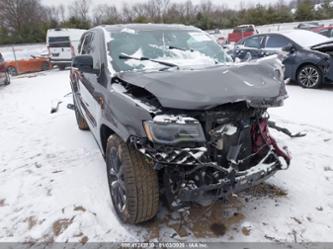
[[59, 41], [277, 41], [253, 42], [325, 32]]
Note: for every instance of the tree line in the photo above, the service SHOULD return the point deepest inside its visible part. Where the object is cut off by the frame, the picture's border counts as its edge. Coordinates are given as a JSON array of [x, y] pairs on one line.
[[26, 21]]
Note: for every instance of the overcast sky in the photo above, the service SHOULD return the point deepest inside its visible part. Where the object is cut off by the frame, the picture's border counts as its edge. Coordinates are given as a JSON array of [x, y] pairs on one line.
[[119, 3]]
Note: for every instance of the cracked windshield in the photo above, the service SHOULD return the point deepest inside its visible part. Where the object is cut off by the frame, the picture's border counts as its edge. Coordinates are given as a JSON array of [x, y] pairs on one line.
[[150, 50]]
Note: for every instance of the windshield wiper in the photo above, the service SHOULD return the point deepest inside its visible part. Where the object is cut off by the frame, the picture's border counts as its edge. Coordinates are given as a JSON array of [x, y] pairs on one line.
[[128, 57], [181, 49]]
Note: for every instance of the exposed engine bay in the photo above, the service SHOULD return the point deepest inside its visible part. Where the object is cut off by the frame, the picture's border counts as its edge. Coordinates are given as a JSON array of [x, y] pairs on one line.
[[208, 152], [234, 151]]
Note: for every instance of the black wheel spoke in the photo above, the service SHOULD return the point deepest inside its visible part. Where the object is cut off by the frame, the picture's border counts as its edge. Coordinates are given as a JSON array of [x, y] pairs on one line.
[[116, 179]]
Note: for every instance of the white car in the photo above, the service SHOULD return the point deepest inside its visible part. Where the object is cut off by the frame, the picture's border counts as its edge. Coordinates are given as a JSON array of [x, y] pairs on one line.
[[63, 45]]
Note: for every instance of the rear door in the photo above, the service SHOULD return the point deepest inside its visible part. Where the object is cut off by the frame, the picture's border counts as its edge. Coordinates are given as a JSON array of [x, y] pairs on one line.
[[274, 44], [21, 61], [60, 47], [37, 63], [250, 48]]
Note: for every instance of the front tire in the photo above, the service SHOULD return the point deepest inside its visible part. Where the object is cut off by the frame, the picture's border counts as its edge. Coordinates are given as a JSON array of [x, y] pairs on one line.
[[132, 181], [309, 76]]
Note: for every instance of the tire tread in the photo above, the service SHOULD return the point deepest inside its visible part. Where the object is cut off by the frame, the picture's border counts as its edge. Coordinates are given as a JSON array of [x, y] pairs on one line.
[[141, 183]]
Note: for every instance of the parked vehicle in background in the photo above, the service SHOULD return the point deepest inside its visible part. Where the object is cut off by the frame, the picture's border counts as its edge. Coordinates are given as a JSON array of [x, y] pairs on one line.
[[63, 45], [308, 60], [241, 32], [324, 30], [25, 62], [4, 76], [309, 25], [173, 117], [221, 40]]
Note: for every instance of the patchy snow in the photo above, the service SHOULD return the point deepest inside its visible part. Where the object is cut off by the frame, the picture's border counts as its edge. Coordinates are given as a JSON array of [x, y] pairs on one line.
[[305, 38], [122, 90], [227, 129], [128, 30], [54, 185], [174, 119], [23, 54], [177, 57], [189, 58]]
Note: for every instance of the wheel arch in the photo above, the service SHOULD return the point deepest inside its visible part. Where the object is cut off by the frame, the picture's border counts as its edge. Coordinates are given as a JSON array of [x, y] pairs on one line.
[[322, 77], [305, 64], [105, 133], [13, 67]]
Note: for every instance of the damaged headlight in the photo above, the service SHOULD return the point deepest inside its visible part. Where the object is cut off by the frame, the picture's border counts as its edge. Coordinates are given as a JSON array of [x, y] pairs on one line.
[[166, 129]]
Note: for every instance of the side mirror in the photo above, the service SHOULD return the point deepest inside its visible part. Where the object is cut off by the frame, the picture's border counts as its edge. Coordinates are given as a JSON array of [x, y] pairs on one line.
[[289, 48], [84, 63]]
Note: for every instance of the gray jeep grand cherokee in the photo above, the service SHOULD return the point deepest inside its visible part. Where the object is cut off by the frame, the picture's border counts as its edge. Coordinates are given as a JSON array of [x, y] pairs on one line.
[[173, 116]]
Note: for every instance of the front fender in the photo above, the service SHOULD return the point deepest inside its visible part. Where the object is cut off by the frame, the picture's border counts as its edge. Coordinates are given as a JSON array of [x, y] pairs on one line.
[[124, 115]]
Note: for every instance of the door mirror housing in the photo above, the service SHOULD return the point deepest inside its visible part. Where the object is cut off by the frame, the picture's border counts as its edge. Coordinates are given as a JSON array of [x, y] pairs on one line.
[[85, 64], [290, 48]]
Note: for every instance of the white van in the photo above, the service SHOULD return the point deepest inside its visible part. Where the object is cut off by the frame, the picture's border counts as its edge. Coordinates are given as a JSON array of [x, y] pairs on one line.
[[63, 45]]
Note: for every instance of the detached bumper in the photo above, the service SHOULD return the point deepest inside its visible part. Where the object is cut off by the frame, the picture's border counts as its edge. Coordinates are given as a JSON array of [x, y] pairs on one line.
[[232, 183]]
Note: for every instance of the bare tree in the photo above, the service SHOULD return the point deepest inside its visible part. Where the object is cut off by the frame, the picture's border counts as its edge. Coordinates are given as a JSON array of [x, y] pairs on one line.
[[127, 13], [56, 13], [158, 8], [17, 15], [62, 14], [105, 14], [80, 9]]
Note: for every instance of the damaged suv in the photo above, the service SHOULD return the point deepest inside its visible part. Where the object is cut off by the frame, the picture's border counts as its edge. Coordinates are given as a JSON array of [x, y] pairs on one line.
[[174, 116]]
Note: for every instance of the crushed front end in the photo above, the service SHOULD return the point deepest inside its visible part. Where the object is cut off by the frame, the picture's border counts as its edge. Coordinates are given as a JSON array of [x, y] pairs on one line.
[[207, 155]]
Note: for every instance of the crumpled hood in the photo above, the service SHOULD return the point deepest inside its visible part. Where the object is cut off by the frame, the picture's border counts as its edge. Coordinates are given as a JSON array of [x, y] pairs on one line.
[[324, 47], [253, 82]]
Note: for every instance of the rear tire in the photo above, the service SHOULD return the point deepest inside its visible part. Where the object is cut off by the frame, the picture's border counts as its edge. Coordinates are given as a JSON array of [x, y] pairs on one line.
[[12, 71], [45, 66], [62, 67], [309, 76], [132, 181], [81, 122]]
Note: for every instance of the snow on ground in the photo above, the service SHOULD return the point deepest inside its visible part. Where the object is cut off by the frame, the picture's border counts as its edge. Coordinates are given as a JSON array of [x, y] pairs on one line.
[[53, 184], [23, 51]]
